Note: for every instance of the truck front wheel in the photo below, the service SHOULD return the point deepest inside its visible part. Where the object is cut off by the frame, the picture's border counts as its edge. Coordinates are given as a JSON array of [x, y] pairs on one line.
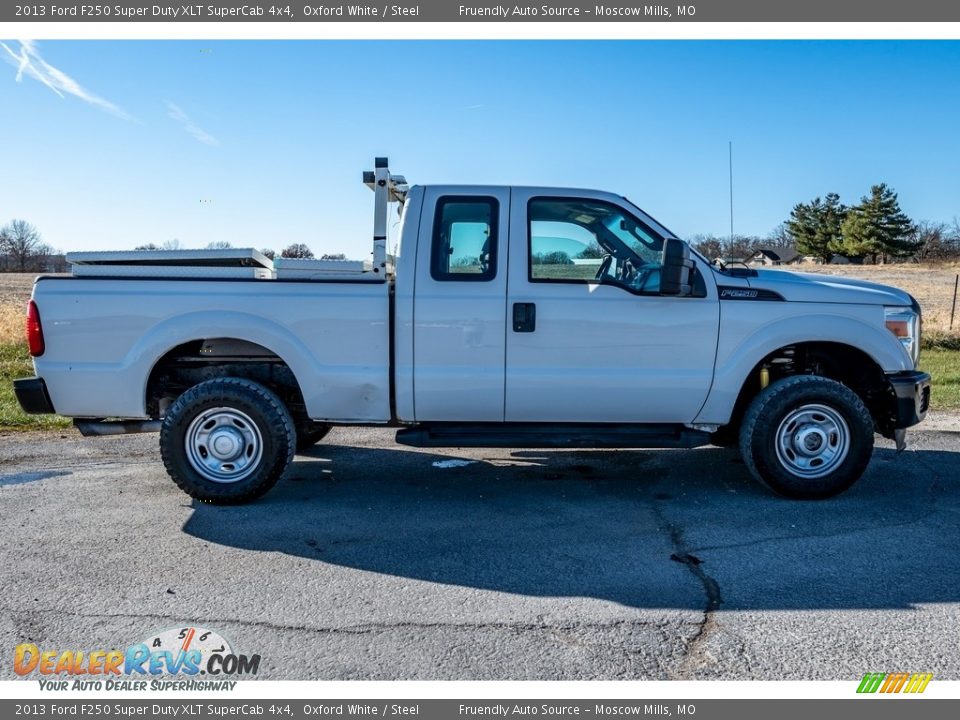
[[807, 437], [227, 441]]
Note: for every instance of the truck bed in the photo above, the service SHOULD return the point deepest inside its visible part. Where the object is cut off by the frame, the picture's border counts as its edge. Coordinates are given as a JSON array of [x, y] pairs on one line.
[[105, 335]]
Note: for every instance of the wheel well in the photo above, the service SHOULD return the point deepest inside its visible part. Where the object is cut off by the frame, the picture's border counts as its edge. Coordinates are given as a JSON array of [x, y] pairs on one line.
[[837, 361], [194, 362]]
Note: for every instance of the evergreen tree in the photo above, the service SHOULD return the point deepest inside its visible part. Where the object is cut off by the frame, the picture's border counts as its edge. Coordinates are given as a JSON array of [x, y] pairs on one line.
[[877, 227], [815, 227], [831, 225]]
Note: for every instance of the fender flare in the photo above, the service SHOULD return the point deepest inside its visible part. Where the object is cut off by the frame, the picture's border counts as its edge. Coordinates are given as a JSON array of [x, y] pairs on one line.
[[164, 336]]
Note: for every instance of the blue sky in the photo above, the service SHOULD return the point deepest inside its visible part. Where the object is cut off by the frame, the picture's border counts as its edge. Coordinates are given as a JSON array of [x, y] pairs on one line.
[[106, 145]]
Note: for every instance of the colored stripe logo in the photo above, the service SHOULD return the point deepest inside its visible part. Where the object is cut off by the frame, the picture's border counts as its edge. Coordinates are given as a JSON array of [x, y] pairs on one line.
[[894, 682]]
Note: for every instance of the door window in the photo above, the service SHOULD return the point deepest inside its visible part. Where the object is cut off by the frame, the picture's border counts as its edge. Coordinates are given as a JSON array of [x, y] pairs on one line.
[[465, 239], [580, 240]]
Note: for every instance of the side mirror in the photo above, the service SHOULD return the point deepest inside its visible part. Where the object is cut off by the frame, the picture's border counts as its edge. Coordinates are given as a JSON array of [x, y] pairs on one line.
[[676, 273]]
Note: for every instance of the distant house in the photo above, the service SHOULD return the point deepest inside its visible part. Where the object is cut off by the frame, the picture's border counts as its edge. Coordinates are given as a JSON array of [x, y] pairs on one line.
[[774, 256]]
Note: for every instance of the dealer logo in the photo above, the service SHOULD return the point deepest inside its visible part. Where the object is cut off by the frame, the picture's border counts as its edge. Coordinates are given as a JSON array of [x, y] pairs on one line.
[[894, 682], [190, 651]]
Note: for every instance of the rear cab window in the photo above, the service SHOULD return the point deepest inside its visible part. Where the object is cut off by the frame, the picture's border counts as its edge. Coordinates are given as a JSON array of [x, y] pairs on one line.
[[464, 246]]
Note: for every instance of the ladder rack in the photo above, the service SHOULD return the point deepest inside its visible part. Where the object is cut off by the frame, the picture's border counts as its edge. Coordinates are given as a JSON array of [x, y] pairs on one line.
[[387, 188]]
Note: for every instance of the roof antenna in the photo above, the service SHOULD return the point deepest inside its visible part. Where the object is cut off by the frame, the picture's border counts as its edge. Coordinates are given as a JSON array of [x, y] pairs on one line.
[[731, 188]]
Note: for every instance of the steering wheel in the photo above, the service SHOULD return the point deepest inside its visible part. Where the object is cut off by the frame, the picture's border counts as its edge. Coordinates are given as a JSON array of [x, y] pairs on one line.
[[628, 271], [605, 264], [644, 275]]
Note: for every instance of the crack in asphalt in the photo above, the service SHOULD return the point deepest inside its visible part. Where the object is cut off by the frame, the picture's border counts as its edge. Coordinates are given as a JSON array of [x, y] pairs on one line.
[[359, 629], [694, 652], [573, 635]]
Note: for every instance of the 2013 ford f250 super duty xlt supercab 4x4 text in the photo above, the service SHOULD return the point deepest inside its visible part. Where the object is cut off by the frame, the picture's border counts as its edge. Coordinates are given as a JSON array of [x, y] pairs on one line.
[[514, 317]]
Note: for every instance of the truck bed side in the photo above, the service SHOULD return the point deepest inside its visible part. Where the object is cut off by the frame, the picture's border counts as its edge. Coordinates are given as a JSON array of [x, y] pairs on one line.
[[104, 336]]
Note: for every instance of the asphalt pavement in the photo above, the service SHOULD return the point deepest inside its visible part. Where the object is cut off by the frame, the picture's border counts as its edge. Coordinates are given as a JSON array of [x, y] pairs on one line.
[[373, 561]]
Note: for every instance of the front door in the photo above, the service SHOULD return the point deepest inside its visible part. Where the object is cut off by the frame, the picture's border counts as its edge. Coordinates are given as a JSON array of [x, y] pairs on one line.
[[590, 339]]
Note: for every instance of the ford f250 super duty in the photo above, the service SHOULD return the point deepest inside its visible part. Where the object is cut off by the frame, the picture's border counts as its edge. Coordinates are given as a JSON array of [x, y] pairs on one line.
[[509, 317]]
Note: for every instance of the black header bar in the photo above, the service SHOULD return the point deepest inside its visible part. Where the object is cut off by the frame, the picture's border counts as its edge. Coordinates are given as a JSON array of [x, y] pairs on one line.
[[619, 11]]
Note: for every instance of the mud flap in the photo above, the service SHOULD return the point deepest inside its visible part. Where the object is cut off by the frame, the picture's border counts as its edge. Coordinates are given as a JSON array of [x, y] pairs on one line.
[[900, 438]]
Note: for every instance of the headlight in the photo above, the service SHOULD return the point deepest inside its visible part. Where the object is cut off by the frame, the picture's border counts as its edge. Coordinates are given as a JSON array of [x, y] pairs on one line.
[[905, 324]]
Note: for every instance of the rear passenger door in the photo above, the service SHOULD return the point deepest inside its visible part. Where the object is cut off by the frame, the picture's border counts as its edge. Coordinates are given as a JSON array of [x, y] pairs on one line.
[[460, 305]]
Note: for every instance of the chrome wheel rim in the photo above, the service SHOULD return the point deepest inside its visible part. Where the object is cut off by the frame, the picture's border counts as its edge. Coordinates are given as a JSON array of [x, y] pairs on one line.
[[812, 441], [223, 445]]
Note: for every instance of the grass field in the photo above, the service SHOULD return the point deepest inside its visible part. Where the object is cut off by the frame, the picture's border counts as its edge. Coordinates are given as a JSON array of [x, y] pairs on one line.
[[944, 368], [14, 358], [933, 288], [15, 363], [931, 285]]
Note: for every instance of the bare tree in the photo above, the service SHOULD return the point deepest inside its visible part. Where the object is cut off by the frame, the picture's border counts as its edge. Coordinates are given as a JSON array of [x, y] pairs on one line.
[[954, 237], [43, 258], [297, 250], [219, 245], [933, 240], [741, 247], [21, 242], [167, 245], [268, 253], [707, 245], [6, 264], [779, 237], [333, 256]]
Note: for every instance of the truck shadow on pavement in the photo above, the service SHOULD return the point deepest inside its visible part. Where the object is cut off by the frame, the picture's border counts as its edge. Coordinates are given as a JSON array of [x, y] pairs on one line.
[[678, 529]]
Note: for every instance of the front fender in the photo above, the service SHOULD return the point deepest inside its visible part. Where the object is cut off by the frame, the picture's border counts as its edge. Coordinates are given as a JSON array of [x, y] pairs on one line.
[[744, 342]]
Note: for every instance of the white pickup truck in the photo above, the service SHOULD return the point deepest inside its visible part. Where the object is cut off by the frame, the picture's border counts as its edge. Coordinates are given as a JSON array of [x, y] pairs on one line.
[[513, 317]]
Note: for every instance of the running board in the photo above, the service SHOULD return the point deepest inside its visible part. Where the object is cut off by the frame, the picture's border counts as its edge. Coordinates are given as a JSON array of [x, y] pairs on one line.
[[99, 428], [551, 435]]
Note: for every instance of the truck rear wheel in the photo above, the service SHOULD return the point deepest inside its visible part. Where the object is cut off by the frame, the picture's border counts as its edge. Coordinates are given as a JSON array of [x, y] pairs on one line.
[[807, 437], [227, 441]]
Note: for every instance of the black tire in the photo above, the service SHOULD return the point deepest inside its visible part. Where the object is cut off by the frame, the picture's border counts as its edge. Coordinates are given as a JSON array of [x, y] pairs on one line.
[[253, 433], [310, 434], [807, 437]]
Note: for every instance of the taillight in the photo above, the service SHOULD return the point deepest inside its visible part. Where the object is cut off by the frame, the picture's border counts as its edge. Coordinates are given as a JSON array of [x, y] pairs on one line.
[[34, 330]]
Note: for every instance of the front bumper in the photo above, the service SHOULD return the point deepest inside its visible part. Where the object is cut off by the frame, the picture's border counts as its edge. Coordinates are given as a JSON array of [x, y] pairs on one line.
[[912, 391], [33, 396]]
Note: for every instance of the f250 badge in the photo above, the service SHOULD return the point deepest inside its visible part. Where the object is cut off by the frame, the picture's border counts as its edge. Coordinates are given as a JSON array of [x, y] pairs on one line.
[[739, 294]]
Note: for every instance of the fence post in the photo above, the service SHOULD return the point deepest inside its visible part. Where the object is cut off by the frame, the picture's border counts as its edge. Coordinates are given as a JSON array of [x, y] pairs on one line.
[[953, 308]]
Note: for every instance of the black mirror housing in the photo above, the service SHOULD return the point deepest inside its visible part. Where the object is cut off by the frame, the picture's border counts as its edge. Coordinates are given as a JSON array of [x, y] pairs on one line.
[[676, 274]]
